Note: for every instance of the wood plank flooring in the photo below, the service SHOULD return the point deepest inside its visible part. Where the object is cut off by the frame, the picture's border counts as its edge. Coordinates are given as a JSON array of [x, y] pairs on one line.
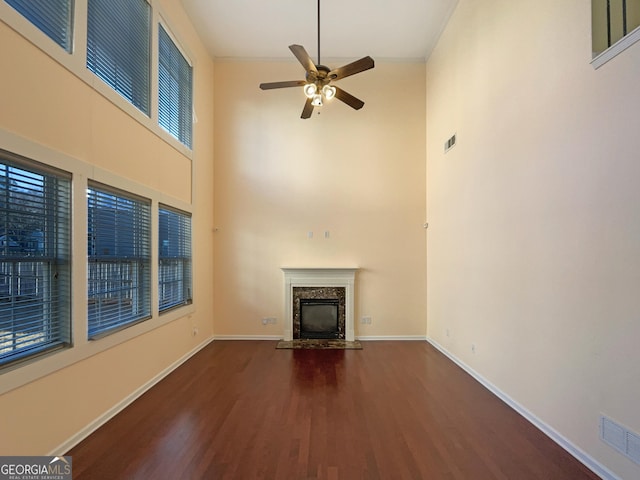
[[394, 410]]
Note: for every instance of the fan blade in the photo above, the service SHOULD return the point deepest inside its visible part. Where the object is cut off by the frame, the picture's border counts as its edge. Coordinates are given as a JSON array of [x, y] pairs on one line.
[[272, 85], [307, 110], [349, 99], [358, 66], [304, 58]]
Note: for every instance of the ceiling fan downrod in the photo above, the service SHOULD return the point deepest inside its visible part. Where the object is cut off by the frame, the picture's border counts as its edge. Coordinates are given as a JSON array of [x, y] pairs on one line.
[[319, 32], [317, 83]]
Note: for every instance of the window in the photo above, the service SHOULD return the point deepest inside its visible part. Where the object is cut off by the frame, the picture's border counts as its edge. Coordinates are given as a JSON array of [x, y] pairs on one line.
[[119, 253], [119, 51], [54, 19], [614, 27], [34, 259], [118, 47], [174, 249], [175, 90]]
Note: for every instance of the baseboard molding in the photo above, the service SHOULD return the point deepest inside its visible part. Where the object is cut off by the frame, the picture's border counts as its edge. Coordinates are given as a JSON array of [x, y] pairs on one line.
[[362, 338], [63, 448], [375, 338], [572, 449], [247, 337]]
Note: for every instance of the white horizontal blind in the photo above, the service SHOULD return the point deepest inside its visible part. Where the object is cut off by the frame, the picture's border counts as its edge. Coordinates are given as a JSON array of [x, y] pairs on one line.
[[174, 249], [175, 96], [119, 255], [34, 259], [53, 18], [118, 47]]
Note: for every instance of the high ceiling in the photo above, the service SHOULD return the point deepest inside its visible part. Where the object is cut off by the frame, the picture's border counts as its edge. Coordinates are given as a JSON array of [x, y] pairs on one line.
[[258, 29]]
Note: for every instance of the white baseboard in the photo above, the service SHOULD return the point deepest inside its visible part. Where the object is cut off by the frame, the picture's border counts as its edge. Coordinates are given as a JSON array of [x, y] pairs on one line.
[[363, 338], [247, 337], [372, 338], [67, 445], [553, 434]]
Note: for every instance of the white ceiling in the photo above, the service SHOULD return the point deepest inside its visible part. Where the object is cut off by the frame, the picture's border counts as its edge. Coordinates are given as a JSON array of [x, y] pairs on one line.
[[259, 29]]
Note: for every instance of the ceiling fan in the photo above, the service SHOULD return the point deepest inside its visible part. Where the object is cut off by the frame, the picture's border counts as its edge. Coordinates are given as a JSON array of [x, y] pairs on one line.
[[317, 84]]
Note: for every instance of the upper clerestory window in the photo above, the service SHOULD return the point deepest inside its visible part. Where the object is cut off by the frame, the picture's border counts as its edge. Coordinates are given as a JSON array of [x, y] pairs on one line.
[[119, 47], [175, 89], [53, 18]]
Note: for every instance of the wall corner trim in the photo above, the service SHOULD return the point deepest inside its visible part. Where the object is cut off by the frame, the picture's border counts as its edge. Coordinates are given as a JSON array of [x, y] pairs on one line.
[[554, 435]]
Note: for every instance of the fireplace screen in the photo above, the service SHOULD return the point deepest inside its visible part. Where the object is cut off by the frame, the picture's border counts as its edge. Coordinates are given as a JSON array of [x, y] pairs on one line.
[[319, 318]]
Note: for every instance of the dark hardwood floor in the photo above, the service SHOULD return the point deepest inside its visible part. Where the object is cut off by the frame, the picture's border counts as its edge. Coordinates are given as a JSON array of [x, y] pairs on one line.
[[394, 410]]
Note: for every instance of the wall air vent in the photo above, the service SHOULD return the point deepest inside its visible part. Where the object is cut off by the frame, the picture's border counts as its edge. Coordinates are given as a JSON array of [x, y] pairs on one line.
[[448, 145], [624, 441], [633, 447]]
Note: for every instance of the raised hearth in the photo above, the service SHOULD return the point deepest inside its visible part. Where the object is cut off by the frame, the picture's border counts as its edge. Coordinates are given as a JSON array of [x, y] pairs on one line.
[[319, 283]]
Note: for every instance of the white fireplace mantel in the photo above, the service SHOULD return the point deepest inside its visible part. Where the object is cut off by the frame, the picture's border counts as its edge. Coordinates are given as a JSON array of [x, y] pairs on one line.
[[319, 277]]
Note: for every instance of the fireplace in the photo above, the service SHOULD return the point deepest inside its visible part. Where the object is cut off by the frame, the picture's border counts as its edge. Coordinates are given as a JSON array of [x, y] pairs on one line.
[[319, 312], [319, 303], [319, 318]]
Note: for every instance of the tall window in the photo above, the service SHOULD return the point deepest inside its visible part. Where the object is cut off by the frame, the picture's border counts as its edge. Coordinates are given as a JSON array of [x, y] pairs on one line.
[[175, 96], [119, 256], [118, 47], [174, 249], [34, 259], [53, 18]]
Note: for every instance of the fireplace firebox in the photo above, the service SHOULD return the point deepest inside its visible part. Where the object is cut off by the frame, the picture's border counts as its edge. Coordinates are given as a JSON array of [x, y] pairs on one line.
[[324, 312], [319, 318]]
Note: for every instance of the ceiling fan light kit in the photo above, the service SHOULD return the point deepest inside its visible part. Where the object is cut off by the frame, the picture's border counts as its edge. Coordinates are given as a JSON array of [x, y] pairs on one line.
[[317, 84]]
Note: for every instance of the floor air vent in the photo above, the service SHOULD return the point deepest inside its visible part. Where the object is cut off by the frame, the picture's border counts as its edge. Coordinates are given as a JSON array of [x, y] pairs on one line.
[[621, 439]]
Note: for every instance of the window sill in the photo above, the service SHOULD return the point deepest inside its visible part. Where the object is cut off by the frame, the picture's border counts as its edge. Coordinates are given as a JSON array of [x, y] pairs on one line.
[[37, 367]]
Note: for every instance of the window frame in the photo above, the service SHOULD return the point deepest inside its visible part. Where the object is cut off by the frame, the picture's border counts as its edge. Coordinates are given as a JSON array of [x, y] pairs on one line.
[[68, 34], [182, 260], [123, 66], [51, 255], [124, 265], [188, 112]]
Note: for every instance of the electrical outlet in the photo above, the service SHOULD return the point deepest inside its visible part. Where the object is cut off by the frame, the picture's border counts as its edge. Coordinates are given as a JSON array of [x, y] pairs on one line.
[[447, 332], [269, 321], [265, 321], [473, 348], [195, 331], [366, 320]]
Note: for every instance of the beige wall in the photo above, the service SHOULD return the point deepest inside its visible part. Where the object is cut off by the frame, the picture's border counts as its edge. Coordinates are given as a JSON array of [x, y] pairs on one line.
[[64, 118], [533, 251], [357, 174]]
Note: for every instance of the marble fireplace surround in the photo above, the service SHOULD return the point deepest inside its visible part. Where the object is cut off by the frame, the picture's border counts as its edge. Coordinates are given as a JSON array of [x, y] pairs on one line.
[[319, 277]]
